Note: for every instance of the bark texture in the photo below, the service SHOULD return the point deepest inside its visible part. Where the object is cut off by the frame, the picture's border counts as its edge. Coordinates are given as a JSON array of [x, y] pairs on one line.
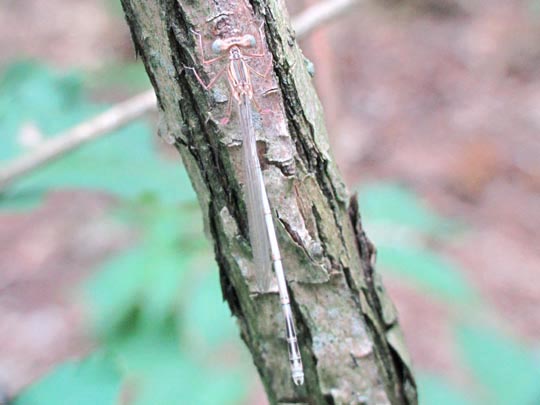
[[351, 343]]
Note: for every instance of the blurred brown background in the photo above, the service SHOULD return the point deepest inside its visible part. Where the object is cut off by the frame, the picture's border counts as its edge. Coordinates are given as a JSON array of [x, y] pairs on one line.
[[445, 98], [442, 97]]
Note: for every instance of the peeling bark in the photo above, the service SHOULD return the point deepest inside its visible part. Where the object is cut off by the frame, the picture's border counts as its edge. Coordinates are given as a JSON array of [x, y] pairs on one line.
[[351, 344]]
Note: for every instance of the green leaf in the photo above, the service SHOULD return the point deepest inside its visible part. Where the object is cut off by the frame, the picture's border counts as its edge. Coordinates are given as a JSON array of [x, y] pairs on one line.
[[95, 380], [394, 205], [176, 225], [427, 270], [208, 319], [160, 310], [150, 277], [24, 200], [400, 225], [141, 279], [509, 372], [434, 390], [162, 370], [125, 163], [114, 291]]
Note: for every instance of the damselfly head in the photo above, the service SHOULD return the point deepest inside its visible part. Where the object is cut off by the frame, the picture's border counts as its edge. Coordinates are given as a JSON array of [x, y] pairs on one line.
[[223, 45]]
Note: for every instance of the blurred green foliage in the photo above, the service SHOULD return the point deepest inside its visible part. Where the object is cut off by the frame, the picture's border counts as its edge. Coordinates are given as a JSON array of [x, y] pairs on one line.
[[428, 270], [125, 164], [95, 380], [508, 372], [437, 390], [130, 77], [534, 7], [166, 336], [502, 370], [401, 228]]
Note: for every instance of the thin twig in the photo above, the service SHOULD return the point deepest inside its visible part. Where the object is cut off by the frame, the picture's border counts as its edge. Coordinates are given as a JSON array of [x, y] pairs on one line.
[[320, 14], [112, 119], [129, 110]]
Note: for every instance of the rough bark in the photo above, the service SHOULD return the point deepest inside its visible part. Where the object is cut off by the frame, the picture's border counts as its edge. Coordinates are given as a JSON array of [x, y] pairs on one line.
[[351, 343]]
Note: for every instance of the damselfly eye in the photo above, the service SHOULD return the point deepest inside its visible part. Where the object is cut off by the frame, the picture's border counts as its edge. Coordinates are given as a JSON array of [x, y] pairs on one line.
[[217, 46], [250, 39]]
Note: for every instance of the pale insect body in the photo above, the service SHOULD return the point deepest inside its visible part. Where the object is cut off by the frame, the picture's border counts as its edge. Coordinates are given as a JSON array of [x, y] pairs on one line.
[[260, 223], [239, 78]]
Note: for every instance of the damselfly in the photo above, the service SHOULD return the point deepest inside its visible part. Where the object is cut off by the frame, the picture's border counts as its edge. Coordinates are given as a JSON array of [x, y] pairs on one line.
[[262, 232]]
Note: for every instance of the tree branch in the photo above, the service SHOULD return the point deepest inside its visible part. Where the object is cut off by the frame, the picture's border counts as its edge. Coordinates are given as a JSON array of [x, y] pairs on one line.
[[348, 332], [320, 14]]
